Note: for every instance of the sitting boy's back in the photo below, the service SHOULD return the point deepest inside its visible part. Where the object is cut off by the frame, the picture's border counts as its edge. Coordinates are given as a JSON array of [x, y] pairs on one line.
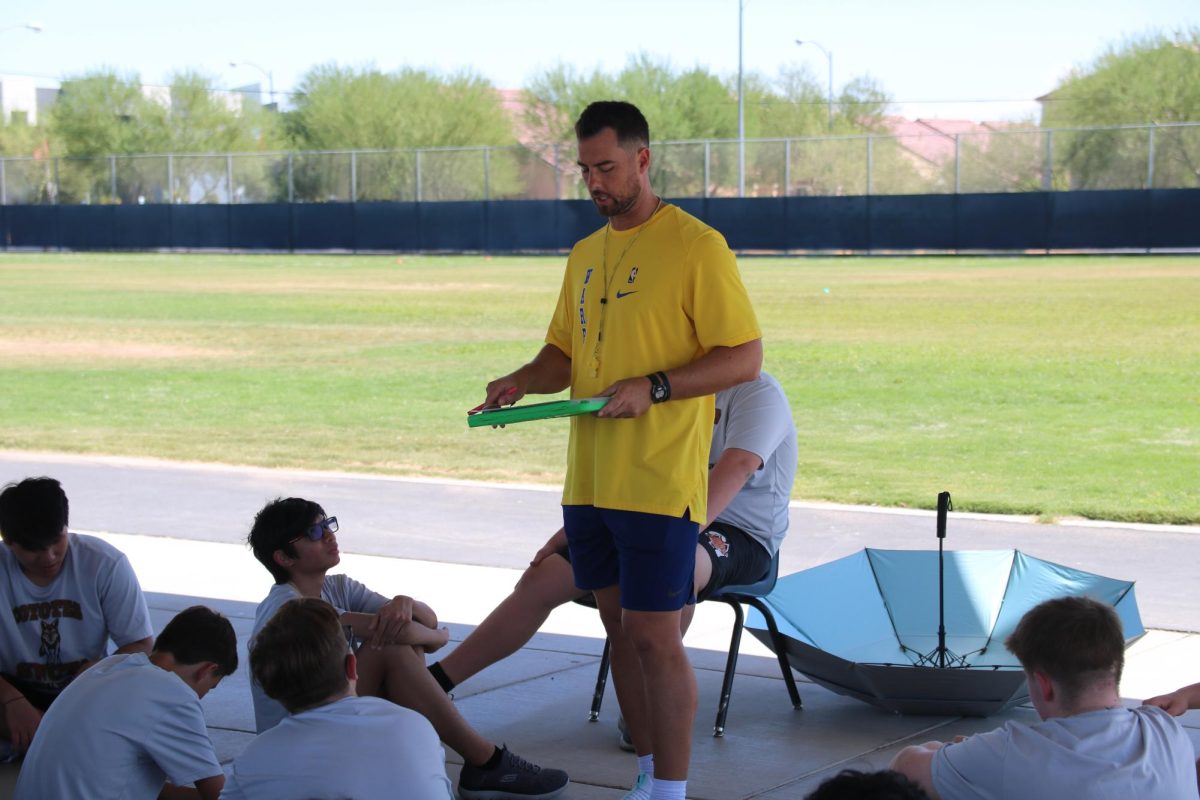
[[132, 721], [301, 660]]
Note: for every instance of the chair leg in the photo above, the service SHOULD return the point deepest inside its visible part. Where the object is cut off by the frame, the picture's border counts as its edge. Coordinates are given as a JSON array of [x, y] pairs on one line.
[[601, 681], [735, 642], [785, 665]]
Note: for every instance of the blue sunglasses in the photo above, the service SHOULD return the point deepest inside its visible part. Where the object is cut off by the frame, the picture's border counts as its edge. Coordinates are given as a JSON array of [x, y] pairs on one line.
[[317, 532]]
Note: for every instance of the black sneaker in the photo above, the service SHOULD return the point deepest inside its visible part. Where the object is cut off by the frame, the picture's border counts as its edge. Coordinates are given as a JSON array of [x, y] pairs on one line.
[[513, 778]]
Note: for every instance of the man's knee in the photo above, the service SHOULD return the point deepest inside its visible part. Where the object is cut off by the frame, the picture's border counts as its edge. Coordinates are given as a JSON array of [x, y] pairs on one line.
[[654, 634]]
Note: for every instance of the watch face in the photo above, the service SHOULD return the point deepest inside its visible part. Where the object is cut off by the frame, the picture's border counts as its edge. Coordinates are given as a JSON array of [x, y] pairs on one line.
[[658, 393]]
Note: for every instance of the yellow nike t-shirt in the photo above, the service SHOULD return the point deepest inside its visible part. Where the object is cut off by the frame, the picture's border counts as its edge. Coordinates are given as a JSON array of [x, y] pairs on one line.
[[674, 293]]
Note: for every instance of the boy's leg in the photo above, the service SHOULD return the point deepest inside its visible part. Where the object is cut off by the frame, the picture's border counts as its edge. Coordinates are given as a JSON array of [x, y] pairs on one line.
[[398, 673], [542, 588]]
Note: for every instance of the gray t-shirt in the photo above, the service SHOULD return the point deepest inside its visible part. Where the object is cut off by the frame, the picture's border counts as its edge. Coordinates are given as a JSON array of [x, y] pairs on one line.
[[47, 632], [359, 747], [341, 592], [754, 416], [119, 730], [1111, 754]]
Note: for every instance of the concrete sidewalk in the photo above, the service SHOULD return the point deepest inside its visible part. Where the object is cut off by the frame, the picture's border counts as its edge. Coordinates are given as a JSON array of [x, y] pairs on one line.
[[537, 701], [460, 547]]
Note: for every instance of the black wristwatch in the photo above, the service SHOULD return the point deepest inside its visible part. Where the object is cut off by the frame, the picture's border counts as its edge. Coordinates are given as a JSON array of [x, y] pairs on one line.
[[660, 387]]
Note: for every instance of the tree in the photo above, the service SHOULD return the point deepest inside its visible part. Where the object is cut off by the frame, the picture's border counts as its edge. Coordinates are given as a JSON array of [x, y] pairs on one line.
[[107, 125], [694, 104], [1154, 79], [339, 108]]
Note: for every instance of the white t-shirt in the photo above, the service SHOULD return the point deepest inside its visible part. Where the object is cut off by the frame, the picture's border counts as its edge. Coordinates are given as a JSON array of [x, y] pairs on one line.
[[47, 632], [117, 732], [755, 417], [341, 592], [356, 747], [1111, 754]]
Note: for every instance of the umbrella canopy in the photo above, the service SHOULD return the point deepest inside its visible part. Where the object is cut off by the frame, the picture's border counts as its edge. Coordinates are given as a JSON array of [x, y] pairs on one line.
[[867, 625]]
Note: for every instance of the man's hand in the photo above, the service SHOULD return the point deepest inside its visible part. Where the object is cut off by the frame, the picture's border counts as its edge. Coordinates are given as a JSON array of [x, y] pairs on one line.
[[22, 720], [386, 626], [1177, 702], [630, 399], [555, 543], [504, 391]]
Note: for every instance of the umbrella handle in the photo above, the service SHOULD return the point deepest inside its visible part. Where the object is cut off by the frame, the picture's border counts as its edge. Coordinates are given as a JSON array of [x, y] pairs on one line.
[[944, 505]]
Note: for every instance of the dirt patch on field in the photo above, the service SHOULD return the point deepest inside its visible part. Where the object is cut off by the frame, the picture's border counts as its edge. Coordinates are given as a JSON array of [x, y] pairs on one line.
[[109, 351]]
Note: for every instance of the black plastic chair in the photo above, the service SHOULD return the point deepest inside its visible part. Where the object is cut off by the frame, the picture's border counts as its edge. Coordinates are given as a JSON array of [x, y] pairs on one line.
[[734, 597]]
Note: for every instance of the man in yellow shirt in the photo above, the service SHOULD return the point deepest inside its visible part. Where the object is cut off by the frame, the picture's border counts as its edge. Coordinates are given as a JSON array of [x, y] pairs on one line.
[[653, 315]]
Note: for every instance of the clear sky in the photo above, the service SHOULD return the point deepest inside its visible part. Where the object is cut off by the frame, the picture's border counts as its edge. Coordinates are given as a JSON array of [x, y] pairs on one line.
[[976, 59]]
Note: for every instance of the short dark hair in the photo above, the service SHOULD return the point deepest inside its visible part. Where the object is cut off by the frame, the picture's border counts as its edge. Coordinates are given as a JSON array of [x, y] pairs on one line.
[[279, 522], [1077, 641], [299, 656], [850, 784], [624, 118], [33, 513], [200, 634]]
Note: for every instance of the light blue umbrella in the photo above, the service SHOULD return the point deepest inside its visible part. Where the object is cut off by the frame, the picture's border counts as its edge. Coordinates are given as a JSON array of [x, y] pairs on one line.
[[867, 625]]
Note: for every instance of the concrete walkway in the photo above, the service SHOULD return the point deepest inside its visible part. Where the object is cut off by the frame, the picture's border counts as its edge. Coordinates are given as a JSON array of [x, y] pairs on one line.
[[463, 546]]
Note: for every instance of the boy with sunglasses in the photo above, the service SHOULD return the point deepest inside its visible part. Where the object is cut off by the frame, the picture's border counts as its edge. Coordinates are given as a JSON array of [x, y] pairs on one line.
[[294, 539]]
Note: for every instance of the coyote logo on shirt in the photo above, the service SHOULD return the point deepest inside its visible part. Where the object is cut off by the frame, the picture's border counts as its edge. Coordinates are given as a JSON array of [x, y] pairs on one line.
[[718, 543], [51, 641]]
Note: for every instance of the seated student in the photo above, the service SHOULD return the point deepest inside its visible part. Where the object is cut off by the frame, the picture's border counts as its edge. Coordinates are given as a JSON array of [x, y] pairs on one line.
[[1087, 745], [133, 721], [62, 597], [295, 541], [301, 659], [752, 464], [1177, 703], [850, 784]]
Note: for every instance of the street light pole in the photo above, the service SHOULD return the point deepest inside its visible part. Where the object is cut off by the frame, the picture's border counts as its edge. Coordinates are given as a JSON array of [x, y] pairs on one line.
[[829, 58], [270, 78], [741, 110]]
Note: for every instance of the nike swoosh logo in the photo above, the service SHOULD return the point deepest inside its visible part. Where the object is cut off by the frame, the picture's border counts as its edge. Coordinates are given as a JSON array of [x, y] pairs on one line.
[[625, 294]]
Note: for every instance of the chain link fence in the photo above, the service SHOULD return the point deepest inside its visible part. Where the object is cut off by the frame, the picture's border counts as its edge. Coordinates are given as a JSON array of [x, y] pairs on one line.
[[1127, 157]]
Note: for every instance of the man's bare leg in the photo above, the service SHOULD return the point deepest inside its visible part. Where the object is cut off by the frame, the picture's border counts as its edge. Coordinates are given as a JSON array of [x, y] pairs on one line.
[[669, 688], [398, 673], [511, 624], [626, 669]]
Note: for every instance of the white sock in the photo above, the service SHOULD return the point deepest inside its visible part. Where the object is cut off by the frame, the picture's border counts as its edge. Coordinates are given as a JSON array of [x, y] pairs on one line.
[[668, 790], [642, 788], [646, 764]]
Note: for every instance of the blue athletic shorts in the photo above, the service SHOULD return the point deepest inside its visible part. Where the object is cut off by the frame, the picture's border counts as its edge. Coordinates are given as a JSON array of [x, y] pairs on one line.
[[651, 557]]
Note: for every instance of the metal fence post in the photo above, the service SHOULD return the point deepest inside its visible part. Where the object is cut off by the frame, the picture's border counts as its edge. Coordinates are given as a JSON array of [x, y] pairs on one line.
[[170, 178], [418, 175], [1048, 168], [557, 176], [870, 164], [291, 178], [787, 167], [55, 196], [112, 176], [3, 183], [957, 163], [487, 173], [707, 166], [353, 176], [229, 178], [1150, 159]]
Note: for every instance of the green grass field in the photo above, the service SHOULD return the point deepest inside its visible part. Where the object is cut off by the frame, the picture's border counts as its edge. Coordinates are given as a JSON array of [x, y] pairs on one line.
[[1051, 386]]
